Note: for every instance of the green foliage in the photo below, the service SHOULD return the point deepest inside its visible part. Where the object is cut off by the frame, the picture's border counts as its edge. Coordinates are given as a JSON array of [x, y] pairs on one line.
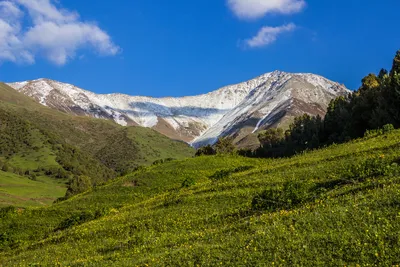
[[288, 196], [78, 184], [5, 167], [188, 182], [162, 161], [271, 137], [372, 167], [7, 211], [207, 150], [172, 199], [80, 218], [33, 177], [225, 146], [221, 174], [388, 128]]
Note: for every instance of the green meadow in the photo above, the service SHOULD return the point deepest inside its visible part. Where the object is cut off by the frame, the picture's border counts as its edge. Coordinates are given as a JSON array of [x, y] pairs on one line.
[[337, 206], [21, 191]]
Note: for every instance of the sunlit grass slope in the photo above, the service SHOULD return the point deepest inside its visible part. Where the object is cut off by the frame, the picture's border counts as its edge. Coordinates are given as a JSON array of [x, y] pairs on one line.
[[332, 207], [20, 191]]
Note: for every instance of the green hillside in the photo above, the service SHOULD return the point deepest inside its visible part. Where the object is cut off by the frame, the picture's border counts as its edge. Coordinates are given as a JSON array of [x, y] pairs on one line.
[[331, 207], [136, 145], [37, 143], [16, 190]]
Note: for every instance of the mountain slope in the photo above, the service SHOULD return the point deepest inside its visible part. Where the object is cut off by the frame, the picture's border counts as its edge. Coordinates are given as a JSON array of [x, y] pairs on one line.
[[37, 142], [275, 102], [226, 211], [92, 135], [268, 100]]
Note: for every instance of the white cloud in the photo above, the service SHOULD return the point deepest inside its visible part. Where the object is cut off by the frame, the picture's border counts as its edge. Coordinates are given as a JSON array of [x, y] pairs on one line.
[[252, 9], [54, 33], [268, 35]]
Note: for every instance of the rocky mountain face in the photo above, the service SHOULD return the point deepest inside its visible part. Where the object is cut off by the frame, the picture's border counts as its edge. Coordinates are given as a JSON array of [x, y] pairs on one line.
[[270, 100]]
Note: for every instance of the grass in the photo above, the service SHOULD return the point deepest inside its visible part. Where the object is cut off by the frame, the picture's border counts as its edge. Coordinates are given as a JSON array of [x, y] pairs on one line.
[[20, 191], [335, 206], [32, 160]]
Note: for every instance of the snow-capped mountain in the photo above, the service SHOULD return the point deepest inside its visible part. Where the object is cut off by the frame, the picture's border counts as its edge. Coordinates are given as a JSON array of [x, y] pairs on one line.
[[269, 100]]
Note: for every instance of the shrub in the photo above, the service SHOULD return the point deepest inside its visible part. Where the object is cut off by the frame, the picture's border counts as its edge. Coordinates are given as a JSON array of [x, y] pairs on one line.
[[6, 240], [372, 167], [33, 177], [172, 199], [388, 128], [225, 146], [218, 175], [5, 167], [18, 171], [78, 184], [206, 151], [6, 211], [80, 218], [288, 196], [188, 182], [161, 161]]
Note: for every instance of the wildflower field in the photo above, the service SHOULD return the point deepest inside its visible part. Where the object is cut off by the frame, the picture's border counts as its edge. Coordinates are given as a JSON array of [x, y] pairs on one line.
[[330, 207]]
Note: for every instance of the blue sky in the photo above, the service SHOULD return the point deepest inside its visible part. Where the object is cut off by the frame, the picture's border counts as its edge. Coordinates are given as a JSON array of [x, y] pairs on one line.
[[187, 47]]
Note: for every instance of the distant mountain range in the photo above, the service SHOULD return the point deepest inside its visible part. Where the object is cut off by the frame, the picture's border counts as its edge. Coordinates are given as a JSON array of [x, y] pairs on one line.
[[270, 100]]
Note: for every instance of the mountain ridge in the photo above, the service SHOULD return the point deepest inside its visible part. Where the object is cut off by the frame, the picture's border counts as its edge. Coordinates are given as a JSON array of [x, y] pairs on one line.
[[200, 119]]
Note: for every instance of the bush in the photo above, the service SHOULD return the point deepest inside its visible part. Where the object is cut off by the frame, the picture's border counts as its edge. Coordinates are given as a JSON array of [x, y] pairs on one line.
[[78, 184], [288, 196], [6, 211], [218, 175], [225, 146], [188, 182], [5, 168], [372, 167], [33, 177], [162, 161], [172, 199], [388, 128], [205, 151], [80, 218]]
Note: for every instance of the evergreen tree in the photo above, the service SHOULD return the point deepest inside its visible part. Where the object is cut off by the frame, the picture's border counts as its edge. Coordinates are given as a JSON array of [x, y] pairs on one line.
[[225, 145]]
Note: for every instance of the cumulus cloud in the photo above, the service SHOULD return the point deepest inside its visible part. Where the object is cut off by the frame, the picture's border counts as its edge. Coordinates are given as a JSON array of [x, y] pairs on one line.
[[54, 33], [252, 9], [268, 35]]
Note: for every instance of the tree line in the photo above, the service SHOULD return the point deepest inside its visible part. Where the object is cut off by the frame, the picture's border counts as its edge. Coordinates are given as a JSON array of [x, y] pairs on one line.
[[375, 105]]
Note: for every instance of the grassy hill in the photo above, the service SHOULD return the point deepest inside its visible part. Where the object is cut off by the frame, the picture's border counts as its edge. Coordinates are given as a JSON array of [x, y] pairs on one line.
[[335, 206], [37, 143], [16, 190]]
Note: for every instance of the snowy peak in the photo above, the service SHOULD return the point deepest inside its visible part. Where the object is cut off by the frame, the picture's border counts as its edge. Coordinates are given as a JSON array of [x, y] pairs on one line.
[[270, 100]]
